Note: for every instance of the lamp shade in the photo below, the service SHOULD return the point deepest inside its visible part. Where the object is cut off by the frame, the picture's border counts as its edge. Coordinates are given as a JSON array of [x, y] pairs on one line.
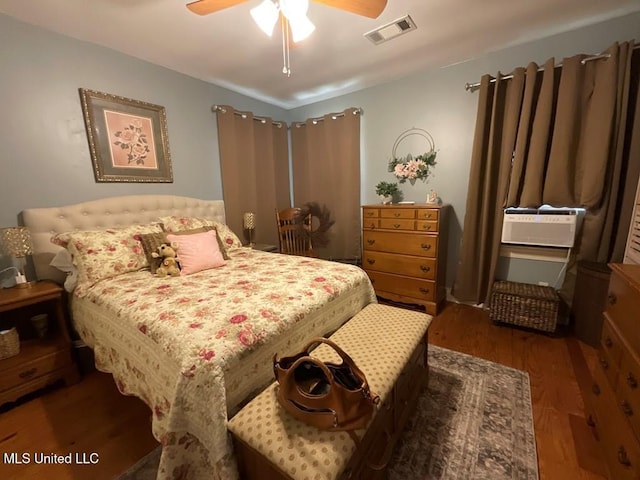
[[16, 241], [249, 220]]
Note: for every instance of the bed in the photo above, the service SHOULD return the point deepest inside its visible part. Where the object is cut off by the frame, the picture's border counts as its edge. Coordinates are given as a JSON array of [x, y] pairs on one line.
[[194, 347]]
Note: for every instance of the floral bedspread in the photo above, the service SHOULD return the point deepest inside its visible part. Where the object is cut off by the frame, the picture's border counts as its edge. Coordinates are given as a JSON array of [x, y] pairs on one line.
[[182, 343]]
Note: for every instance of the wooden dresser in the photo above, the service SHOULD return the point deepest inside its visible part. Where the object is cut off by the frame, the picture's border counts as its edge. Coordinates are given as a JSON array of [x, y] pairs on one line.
[[613, 403], [404, 252]]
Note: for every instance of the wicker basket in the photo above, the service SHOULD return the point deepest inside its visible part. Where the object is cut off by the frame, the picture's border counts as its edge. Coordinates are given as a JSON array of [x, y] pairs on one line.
[[525, 305], [9, 343]]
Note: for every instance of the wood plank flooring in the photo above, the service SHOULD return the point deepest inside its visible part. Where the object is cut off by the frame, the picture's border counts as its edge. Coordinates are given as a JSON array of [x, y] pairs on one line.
[[93, 417]]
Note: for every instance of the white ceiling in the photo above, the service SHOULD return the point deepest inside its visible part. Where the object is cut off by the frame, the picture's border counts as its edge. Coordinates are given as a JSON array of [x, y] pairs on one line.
[[227, 49]]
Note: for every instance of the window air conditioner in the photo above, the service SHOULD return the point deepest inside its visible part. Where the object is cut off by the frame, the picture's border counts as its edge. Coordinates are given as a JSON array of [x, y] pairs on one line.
[[547, 227]]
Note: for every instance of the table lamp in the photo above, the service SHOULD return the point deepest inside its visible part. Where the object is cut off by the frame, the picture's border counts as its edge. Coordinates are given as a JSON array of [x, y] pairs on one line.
[[16, 242], [249, 222]]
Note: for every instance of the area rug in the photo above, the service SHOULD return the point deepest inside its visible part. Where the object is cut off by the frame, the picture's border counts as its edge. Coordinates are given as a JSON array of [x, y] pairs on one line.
[[473, 422]]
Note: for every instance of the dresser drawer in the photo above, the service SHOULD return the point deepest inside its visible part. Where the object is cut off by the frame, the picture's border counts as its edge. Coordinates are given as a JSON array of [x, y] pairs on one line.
[[628, 390], [398, 213], [610, 352], [427, 214], [407, 243], [421, 267], [398, 224], [370, 223], [370, 212], [20, 374], [406, 286], [620, 447], [429, 226], [623, 306]]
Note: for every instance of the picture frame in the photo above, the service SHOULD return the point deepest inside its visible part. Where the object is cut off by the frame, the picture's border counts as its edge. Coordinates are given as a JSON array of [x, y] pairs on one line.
[[128, 139]]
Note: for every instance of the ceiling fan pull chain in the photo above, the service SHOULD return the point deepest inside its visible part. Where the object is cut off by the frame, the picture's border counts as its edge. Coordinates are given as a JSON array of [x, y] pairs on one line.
[[286, 68]]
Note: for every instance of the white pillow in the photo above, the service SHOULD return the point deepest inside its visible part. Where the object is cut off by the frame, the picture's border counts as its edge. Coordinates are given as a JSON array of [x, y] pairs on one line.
[[63, 262]]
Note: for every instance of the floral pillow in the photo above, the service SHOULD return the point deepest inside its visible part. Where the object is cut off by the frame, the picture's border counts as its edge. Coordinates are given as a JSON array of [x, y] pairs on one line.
[[100, 254], [174, 224]]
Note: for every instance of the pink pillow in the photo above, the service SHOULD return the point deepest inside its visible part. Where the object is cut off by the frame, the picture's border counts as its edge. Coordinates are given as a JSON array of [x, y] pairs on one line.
[[197, 252]]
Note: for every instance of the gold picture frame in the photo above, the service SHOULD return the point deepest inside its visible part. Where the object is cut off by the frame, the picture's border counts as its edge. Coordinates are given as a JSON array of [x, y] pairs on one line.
[[128, 138]]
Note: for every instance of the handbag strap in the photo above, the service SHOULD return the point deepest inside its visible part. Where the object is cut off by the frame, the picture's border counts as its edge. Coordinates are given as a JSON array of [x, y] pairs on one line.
[[345, 358], [317, 362]]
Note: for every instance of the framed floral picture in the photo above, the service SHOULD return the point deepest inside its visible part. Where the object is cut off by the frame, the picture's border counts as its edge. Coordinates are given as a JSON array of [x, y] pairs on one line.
[[128, 138]]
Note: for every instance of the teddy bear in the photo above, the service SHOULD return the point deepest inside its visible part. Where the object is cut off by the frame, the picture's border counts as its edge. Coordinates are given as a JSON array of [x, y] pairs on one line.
[[170, 264]]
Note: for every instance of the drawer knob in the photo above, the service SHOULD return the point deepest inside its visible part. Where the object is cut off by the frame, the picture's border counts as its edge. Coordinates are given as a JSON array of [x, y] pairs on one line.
[[626, 408], [424, 290], [371, 261], [612, 299], [591, 422], [595, 388], [425, 246], [631, 380], [396, 225], [623, 459], [371, 241], [608, 343], [427, 227], [396, 215], [373, 225], [603, 363], [28, 373], [425, 268]]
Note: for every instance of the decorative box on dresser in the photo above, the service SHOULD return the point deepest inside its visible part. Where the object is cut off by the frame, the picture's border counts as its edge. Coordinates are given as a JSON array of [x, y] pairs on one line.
[[613, 403], [404, 252]]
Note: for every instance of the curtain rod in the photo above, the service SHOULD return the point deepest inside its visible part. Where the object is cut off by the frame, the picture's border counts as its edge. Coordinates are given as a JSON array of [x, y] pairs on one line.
[[218, 108], [356, 111], [472, 87]]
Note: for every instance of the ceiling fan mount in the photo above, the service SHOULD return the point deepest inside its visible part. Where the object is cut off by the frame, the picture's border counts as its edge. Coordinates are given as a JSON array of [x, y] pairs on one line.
[[366, 8]]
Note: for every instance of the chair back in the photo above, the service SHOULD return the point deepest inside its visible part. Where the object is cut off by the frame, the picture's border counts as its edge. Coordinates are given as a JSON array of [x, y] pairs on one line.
[[293, 235]]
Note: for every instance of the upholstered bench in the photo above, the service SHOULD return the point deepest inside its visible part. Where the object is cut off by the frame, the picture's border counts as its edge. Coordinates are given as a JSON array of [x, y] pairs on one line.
[[389, 345]]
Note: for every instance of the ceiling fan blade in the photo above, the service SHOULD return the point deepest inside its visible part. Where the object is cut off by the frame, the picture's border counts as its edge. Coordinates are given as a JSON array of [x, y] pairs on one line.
[[205, 7], [366, 8]]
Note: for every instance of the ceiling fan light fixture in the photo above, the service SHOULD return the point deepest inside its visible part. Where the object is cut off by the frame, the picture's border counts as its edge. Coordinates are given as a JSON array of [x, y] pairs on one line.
[[266, 15], [293, 9], [301, 28]]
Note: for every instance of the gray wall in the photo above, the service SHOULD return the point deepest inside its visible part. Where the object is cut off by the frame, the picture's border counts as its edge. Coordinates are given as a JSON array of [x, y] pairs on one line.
[[44, 153], [437, 101], [44, 157]]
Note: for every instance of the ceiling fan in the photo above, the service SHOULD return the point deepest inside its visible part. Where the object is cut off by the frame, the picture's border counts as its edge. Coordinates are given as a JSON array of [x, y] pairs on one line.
[[366, 8], [292, 14]]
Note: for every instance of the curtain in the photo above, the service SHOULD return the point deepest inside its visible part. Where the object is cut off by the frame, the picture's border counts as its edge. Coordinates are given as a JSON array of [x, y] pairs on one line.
[[326, 169], [564, 135], [254, 162]]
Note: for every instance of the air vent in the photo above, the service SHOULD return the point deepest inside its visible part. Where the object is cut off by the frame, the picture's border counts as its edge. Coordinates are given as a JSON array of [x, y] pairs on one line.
[[391, 30]]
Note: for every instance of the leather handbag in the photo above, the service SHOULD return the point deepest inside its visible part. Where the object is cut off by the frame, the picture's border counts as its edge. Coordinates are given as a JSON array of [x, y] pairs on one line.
[[326, 395]]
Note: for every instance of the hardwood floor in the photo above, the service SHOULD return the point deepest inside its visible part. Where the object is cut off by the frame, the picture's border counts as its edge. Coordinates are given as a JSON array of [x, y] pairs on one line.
[[93, 417]]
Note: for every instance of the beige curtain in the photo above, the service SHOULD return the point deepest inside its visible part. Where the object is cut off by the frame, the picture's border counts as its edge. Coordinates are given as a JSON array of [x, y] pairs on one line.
[[254, 161], [326, 169], [570, 148]]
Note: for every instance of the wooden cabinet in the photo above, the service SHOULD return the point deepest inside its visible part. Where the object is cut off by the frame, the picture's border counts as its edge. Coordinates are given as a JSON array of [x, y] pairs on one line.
[[41, 361], [404, 252], [613, 400]]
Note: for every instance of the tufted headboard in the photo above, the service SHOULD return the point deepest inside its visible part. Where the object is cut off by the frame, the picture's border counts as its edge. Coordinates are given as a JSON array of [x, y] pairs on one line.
[[108, 212]]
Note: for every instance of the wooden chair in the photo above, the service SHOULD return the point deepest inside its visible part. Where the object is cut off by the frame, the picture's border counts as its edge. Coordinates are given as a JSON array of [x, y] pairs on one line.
[[292, 235]]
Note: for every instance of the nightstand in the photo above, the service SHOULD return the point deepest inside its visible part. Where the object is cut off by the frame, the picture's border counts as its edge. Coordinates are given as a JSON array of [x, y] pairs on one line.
[[41, 361], [265, 247]]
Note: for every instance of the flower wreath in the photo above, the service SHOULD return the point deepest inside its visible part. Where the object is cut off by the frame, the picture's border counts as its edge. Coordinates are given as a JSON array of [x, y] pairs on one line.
[[319, 236], [410, 168]]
